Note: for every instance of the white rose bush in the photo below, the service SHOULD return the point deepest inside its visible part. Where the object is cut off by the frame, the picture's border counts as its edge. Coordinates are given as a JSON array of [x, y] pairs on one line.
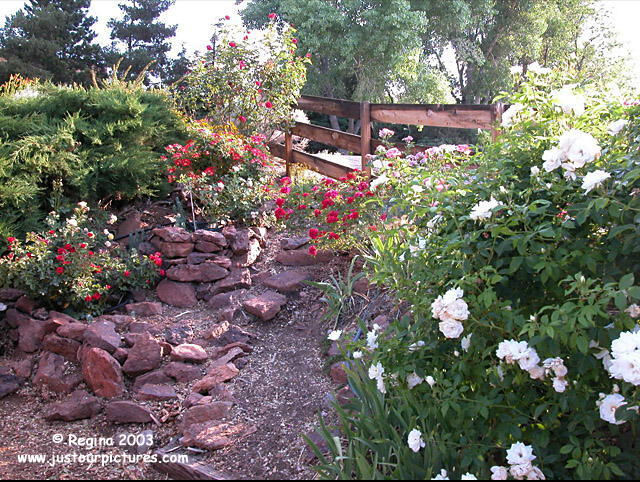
[[519, 264]]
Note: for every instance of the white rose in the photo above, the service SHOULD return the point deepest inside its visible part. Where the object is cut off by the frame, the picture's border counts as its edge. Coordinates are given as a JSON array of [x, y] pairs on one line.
[[633, 310], [430, 380], [415, 441], [608, 408], [520, 453], [552, 159], [594, 179], [579, 147], [499, 473], [335, 335], [616, 127], [569, 102], [413, 380], [451, 329]]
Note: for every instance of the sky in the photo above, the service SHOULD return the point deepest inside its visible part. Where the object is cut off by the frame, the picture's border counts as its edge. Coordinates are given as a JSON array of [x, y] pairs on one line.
[[196, 17]]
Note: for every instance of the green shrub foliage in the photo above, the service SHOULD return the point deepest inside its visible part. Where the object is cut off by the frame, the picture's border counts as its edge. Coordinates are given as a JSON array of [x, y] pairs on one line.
[[60, 145]]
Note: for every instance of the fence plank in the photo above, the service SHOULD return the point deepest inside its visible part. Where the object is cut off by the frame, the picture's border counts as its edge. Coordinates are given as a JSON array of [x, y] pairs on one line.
[[325, 105], [327, 136], [288, 151], [436, 115], [323, 166], [365, 136], [277, 150]]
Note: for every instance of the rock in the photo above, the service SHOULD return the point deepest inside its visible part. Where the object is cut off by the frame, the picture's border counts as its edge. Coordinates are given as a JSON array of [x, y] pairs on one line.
[[250, 257], [41, 314], [156, 393], [215, 376], [237, 279], [15, 318], [127, 412], [131, 224], [200, 273], [25, 304], [120, 355], [382, 321], [182, 372], [31, 333], [260, 233], [226, 349], [174, 262], [338, 373], [173, 234], [300, 257], [210, 412], [240, 243], [121, 321], [102, 334], [156, 377], [266, 306], [362, 286], [145, 356], [146, 308], [204, 247], [141, 295], [139, 327], [78, 406], [230, 233], [56, 374], [287, 281], [9, 384], [102, 373], [214, 436], [62, 346], [165, 348], [199, 258], [229, 356], [224, 333], [23, 368], [178, 334], [146, 248], [294, 243], [188, 352], [173, 250], [182, 295], [221, 392], [194, 399], [61, 318], [202, 235], [10, 294]]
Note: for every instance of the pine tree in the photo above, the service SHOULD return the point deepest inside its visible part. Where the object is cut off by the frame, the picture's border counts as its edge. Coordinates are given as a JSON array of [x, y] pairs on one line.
[[50, 39], [142, 36]]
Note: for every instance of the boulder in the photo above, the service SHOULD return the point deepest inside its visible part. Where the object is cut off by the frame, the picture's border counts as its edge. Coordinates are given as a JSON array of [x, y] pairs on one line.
[[146, 308], [127, 412], [173, 250], [225, 333], [23, 368], [25, 304], [182, 372], [266, 306], [286, 282], [247, 259], [9, 384], [15, 318], [228, 299], [56, 374], [31, 332], [199, 258], [80, 405], [237, 279], [173, 234], [202, 235], [182, 295], [240, 243], [294, 243], [189, 352], [156, 393], [200, 273], [230, 233], [145, 356], [205, 247], [102, 373], [102, 334], [74, 331], [10, 294], [62, 346]]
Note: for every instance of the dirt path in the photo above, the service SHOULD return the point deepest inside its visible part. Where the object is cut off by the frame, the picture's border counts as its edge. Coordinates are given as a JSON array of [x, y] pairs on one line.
[[280, 391]]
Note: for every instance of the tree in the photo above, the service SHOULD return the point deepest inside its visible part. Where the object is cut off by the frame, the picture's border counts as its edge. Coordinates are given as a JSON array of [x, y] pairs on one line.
[[142, 36], [50, 39]]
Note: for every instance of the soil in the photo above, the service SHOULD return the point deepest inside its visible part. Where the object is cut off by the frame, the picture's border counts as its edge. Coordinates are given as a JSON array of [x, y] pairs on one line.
[[281, 392]]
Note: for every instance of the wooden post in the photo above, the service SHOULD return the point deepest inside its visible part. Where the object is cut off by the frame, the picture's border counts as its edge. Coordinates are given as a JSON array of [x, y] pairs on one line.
[[365, 135], [496, 119], [288, 151]]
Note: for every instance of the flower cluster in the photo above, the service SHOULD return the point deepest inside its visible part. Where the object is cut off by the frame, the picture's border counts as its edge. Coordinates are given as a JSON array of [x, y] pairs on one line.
[[451, 310], [520, 458], [625, 363], [376, 372], [575, 150], [484, 209]]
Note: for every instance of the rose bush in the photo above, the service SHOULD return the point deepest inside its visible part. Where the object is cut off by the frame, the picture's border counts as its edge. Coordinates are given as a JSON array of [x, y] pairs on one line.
[[75, 267], [520, 355]]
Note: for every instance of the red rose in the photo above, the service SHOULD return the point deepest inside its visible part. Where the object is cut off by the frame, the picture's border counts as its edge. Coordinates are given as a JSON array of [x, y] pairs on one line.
[[162, 272], [294, 40], [268, 105], [313, 250], [97, 296], [209, 47], [88, 299], [280, 202], [272, 16], [242, 119], [59, 270], [127, 274], [227, 17], [233, 44], [314, 233], [11, 240]]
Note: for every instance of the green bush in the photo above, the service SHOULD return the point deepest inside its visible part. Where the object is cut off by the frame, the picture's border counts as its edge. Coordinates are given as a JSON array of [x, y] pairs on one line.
[[521, 276], [60, 145]]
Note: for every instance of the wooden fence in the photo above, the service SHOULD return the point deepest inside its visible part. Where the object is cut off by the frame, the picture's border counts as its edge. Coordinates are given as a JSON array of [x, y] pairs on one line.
[[465, 116]]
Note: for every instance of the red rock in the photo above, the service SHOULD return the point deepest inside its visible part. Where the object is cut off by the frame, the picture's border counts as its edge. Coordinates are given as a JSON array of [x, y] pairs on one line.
[[362, 286], [338, 373], [121, 321], [174, 262], [25, 304], [194, 399], [204, 247], [229, 356], [266, 306], [146, 308], [146, 249], [102, 334], [240, 243], [41, 314], [222, 261], [247, 259], [139, 327], [202, 235], [217, 375], [182, 295], [173, 250], [182, 372], [62, 346], [10, 294], [214, 436], [132, 224], [199, 258], [127, 412], [144, 356], [31, 333], [201, 273], [156, 377], [15, 318], [287, 281], [225, 333], [210, 412], [230, 298], [56, 374], [120, 355], [226, 349], [9, 384], [173, 234], [237, 279], [80, 405], [294, 243], [62, 318], [23, 368], [189, 353], [300, 257], [230, 233], [156, 393], [102, 373]]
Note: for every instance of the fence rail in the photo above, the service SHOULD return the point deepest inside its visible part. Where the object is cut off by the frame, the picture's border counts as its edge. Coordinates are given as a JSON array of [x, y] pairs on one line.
[[463, 116]]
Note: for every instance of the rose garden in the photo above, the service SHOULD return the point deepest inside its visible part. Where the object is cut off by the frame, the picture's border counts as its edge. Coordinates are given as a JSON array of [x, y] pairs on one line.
[[454, 311]]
